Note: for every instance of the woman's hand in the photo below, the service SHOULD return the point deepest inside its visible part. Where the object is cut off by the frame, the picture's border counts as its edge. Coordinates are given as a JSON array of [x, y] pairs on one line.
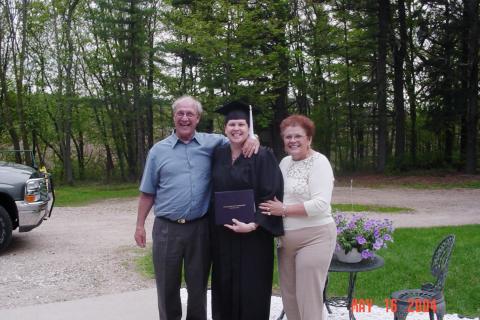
[[273, 208], [241, 227]]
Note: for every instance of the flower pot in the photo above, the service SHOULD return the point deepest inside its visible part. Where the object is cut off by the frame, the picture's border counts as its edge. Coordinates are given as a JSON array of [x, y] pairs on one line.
[[353, 256]]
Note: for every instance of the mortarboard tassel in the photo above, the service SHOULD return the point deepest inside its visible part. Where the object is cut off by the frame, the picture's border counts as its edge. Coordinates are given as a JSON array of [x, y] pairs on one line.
[[250, 131]]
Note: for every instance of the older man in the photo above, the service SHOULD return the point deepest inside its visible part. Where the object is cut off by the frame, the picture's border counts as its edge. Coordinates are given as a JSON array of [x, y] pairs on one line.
[[176, 182]]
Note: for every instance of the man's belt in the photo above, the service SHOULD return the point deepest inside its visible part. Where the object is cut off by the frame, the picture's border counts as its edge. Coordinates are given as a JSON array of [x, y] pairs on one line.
[[182, 221]]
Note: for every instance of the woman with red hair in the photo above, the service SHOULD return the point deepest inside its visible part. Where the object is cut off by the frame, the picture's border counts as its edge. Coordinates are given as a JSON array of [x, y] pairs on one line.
[[307, 246]]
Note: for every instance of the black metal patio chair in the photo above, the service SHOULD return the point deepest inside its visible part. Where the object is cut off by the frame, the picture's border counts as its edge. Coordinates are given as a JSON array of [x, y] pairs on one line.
[[430, 296]]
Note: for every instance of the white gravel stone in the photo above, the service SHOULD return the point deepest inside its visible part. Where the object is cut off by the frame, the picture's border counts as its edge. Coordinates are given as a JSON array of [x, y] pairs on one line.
[[338, 313]]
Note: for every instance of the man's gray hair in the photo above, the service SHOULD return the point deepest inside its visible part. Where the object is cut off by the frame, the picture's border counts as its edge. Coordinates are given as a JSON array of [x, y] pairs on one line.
[[187, 100]]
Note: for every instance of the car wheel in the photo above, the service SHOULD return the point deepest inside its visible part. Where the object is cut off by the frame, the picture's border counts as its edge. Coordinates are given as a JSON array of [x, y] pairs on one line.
[[5, 229]]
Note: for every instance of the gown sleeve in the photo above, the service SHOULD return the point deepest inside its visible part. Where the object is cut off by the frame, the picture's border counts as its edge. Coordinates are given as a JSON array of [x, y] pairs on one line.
[[268, 184]]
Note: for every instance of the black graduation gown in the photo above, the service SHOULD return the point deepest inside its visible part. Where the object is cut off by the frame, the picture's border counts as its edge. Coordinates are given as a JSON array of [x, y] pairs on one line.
[[243, 262]]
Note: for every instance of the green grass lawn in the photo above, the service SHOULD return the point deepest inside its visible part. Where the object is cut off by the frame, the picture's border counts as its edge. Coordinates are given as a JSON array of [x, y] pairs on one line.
[[407, 266], [346, 207], [85, 194], [463, 184], [420, 181]]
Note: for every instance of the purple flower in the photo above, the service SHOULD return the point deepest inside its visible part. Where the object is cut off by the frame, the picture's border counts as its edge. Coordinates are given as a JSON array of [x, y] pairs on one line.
[[337, 219], [378, 244], [369, 225], [351, 225], [356, 217], [360, 239], [366, 254], [362, 232]]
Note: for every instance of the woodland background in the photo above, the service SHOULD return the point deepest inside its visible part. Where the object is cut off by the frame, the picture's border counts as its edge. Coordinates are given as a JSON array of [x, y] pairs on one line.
[[392, 85]]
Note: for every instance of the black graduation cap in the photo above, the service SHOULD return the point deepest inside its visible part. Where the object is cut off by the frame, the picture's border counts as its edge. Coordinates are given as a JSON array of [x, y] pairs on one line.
[[235, 110]]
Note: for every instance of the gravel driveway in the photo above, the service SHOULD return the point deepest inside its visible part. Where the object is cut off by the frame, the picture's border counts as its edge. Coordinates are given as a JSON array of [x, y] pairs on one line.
[[430, 207], [89, 251], [79, 252]]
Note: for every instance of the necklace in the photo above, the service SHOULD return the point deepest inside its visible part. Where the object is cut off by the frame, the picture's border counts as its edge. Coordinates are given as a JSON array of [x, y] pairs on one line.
[[235, 157], [235, 153]]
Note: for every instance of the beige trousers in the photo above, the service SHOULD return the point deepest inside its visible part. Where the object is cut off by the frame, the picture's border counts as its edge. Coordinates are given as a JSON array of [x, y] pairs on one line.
[[303, 260]]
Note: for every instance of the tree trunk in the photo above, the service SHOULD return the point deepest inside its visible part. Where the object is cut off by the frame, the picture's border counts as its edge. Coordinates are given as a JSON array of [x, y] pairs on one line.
[[472, 92], [281, 78], [109, 166], [5, 110], [19, 75], [279, 114], [351, 127], [399, 49], [150, 79], [301, 96], [383, 23], [18, 59], [447, 88], [329, 127], [70, 95], [412, 98], [138, 107], [79, 148]]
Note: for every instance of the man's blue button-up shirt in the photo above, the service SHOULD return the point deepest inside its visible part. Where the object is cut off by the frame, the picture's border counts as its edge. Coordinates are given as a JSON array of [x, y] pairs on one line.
[[178, 174]]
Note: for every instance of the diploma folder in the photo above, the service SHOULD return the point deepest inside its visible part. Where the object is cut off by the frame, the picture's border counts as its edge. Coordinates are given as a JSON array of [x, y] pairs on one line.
[[238, 204]]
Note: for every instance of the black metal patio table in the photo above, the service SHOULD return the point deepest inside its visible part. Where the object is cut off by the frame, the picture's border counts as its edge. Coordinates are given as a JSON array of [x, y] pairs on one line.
[[352, 269]]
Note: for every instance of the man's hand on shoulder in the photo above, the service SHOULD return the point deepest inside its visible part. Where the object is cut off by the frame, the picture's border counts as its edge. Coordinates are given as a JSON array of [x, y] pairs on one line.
[[250, 147]]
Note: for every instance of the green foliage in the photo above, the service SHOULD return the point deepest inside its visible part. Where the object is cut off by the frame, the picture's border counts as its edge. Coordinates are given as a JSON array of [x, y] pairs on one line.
[[230, 51], [130, 59]]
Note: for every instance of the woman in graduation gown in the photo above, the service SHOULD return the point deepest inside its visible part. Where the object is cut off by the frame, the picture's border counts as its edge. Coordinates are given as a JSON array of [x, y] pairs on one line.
[[242, 253]]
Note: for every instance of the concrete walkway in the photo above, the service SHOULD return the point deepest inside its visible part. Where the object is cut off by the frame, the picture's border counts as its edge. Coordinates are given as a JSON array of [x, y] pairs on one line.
[[122, 306]]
